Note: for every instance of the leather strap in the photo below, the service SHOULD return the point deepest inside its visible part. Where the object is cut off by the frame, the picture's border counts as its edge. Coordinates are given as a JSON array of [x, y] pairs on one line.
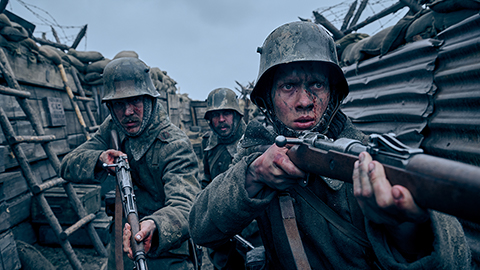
[[291, 229], [342, 225], [118, 230]]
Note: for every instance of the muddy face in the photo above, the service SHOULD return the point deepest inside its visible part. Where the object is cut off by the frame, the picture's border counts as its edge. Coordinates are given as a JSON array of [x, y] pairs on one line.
[[300, 94]]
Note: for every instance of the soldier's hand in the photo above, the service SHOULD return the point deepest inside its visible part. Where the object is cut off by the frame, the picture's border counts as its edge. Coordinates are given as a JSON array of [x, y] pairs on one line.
[[147, 228], [273, 169], [108, 157], [381, 202]]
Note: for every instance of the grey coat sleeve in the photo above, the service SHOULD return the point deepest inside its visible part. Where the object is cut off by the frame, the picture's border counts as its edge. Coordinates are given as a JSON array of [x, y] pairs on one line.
[[80, 165], [450, 249], [223, 208]]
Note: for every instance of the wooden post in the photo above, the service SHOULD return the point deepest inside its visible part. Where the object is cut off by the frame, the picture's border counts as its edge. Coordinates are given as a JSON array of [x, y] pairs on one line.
[[394, 8], [320, 19], [360, 10], [79, 37], [349, 15]]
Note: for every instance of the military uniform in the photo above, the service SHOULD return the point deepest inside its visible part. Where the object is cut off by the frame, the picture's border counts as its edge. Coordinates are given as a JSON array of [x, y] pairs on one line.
[[218, 153], [224, 209], [164, 172]]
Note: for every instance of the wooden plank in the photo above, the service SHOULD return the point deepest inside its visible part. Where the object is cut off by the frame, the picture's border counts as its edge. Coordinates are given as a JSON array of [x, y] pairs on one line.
[[42, 170], [8, 252], [3, 151], [12, 184], [89, 196], [101, 223], [24, 232], [19, 208], [4, 217]]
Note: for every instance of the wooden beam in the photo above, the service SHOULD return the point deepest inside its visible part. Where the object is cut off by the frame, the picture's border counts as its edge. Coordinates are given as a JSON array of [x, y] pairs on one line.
[[360, 10], [394, 8], [320, 19], [79, 37], [349, 16], [53, 44]]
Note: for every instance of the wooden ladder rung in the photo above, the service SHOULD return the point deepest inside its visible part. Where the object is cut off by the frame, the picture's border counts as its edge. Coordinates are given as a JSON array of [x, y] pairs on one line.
[[31, 139], [84, 98], [86, 219], [93, 128], [48, 184], [14, 92]]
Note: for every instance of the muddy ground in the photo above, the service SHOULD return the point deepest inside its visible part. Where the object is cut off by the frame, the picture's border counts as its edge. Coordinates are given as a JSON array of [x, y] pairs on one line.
[[88, 257]]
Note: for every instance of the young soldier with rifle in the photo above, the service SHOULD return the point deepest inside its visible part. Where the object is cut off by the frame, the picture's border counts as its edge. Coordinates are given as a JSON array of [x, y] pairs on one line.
[[162, 165], [308, 221]]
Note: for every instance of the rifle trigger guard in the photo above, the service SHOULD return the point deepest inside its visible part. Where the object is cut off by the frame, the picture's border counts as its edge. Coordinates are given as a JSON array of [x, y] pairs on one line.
[[304, 182]]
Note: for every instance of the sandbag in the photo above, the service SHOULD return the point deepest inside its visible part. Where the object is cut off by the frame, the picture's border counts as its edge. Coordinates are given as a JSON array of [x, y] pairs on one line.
[[446, 6], [374, 44], [50, 53], [97, 66], [126, 54], [422, 28], [396, 35], [81, 67], [86, 56], [444, 20], [14, 33], [352, 53], [347, 40], [4, 20], [92, 76], [31, 258], [30, 44]]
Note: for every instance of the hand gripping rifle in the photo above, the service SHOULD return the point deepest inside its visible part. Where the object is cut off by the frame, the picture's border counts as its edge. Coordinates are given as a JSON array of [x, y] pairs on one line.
[[435, 183], [125, 186]]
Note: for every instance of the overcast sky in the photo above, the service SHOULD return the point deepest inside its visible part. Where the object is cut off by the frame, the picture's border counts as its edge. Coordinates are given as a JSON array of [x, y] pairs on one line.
[[202, 44]]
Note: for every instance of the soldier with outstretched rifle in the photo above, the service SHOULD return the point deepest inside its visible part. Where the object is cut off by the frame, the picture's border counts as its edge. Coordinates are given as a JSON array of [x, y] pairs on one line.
[[308, 221]]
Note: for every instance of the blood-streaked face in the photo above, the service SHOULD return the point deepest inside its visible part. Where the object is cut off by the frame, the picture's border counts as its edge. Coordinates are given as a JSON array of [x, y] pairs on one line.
[[222, 122], [129, 112], [300, 94]]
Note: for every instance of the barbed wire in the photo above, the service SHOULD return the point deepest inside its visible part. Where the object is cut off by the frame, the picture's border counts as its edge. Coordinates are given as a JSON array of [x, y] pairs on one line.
[[50, 22], [336, 13]]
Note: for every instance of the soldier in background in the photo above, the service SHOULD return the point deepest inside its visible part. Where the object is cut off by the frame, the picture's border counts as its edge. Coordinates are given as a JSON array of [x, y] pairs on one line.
[[219, 146], [227, 127], [163, 165]]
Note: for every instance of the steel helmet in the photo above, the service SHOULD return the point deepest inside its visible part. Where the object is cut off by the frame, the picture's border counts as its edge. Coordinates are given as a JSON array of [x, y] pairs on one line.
[[127, 77], [222, 99], [294, 42]]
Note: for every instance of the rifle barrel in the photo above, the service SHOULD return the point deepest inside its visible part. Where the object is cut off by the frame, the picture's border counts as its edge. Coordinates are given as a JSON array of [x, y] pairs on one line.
[[435, 183]]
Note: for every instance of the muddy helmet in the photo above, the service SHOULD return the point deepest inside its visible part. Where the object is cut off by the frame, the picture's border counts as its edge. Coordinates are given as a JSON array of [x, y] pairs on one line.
[[127, 77], [295, 42], [222, 99]]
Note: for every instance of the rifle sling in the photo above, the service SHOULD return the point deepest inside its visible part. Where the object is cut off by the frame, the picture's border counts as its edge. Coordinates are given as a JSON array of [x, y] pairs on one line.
[[118, 230], [291, 229], [331, 216]]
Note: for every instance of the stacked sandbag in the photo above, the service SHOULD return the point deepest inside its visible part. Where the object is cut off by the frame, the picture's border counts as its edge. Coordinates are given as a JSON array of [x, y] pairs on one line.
[[93, 64], [343, 43], [162, 81], [440, 15], [12, 35]]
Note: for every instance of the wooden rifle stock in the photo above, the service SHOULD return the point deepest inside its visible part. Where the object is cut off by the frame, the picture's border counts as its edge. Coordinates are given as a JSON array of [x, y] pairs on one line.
[[125, 188], [435, 183]]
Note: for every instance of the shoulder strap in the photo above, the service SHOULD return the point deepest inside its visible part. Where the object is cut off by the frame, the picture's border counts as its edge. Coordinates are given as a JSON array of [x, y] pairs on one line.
[[342, 225], [291, 229]]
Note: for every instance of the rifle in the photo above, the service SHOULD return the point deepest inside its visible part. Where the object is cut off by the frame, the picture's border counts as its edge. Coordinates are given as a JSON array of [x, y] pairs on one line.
[[436, 183], [125, 186]]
